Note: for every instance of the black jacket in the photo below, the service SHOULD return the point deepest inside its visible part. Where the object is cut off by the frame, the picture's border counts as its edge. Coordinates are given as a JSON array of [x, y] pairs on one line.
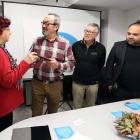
[[116, 57], [88, 63]]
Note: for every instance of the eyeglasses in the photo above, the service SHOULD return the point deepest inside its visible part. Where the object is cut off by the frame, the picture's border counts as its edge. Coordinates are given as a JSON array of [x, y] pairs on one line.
[[7, 29], [89, 32], [47, 24]]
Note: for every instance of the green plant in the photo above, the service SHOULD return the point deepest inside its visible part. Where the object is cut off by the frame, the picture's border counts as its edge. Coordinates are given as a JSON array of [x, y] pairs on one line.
[[126, 123]]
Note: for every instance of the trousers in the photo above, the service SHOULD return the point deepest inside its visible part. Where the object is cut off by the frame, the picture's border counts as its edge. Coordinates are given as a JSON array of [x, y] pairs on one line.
[[40, 90], [78, 92], [6, 121]]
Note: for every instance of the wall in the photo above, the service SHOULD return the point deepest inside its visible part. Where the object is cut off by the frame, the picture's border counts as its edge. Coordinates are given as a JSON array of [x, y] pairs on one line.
[[116, 24], [104, 28], [0, 10], [112, 28], [131, 17]]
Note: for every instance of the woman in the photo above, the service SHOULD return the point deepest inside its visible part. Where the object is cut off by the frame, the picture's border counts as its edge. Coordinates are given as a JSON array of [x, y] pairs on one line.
[[11, 94]]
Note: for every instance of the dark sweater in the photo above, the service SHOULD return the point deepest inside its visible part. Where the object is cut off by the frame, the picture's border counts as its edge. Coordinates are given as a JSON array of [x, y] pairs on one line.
[[129, 78], [89, 62]]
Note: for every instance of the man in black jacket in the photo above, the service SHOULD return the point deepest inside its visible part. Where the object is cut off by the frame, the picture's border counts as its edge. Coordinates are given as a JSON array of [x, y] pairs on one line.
[[90, 58], [125, 55]]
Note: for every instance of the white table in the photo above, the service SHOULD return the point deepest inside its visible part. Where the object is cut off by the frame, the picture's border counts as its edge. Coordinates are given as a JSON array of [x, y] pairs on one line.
[[99, 121]]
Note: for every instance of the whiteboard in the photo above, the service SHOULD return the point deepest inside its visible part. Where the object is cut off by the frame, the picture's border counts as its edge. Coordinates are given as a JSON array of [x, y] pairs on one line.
[[26, 25]]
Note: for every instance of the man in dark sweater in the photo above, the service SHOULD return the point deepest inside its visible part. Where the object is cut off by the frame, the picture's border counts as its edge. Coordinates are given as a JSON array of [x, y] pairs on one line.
[[126, 56], [90, 58]]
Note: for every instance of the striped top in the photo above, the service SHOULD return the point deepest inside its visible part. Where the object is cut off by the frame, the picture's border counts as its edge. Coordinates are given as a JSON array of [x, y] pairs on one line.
[[58, 49]]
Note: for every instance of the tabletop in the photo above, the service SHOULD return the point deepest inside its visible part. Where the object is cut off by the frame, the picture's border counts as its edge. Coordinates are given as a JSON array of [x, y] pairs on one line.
[[99, 121]]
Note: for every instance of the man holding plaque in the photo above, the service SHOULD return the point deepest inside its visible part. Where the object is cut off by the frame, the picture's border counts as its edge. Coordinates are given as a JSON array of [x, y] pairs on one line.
[[47, 77]]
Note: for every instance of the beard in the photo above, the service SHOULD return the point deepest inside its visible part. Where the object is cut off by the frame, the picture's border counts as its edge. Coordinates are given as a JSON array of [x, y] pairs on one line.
[[133, 42], [46, 32]]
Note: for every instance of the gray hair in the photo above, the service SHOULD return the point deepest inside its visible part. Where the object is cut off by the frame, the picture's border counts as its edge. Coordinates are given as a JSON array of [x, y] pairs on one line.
[[57, 19], [95, 25]]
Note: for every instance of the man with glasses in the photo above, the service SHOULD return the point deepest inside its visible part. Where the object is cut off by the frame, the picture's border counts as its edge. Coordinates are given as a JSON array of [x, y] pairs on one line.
[[90, 58], [123, 79], [46, 81]]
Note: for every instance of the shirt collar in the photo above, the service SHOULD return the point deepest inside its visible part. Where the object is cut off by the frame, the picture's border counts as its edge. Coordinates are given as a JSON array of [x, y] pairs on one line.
[[93, 43], [56, 39]]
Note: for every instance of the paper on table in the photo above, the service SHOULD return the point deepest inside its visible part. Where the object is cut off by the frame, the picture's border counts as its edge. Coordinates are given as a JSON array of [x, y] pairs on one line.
[[78, 122], [117, 114], [63, 132], [78, 136], [134, 106]]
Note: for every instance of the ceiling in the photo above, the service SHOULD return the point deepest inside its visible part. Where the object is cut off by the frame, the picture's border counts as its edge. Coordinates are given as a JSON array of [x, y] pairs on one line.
[[108, 4], [88, 4]]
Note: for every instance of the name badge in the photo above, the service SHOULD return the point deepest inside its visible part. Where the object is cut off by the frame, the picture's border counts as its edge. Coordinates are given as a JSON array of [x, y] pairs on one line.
[[93, 53]]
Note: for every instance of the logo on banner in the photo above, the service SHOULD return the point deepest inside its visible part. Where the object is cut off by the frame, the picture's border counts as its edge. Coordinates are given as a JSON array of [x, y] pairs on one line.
[[69, 37]]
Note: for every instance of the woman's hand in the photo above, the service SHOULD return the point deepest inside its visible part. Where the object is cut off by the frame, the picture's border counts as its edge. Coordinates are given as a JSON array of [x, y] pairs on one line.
[[32, 65], [31, 58]]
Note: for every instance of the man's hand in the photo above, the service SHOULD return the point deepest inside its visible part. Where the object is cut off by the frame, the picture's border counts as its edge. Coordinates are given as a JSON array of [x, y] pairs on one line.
[[110, 88], [52, 63]]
